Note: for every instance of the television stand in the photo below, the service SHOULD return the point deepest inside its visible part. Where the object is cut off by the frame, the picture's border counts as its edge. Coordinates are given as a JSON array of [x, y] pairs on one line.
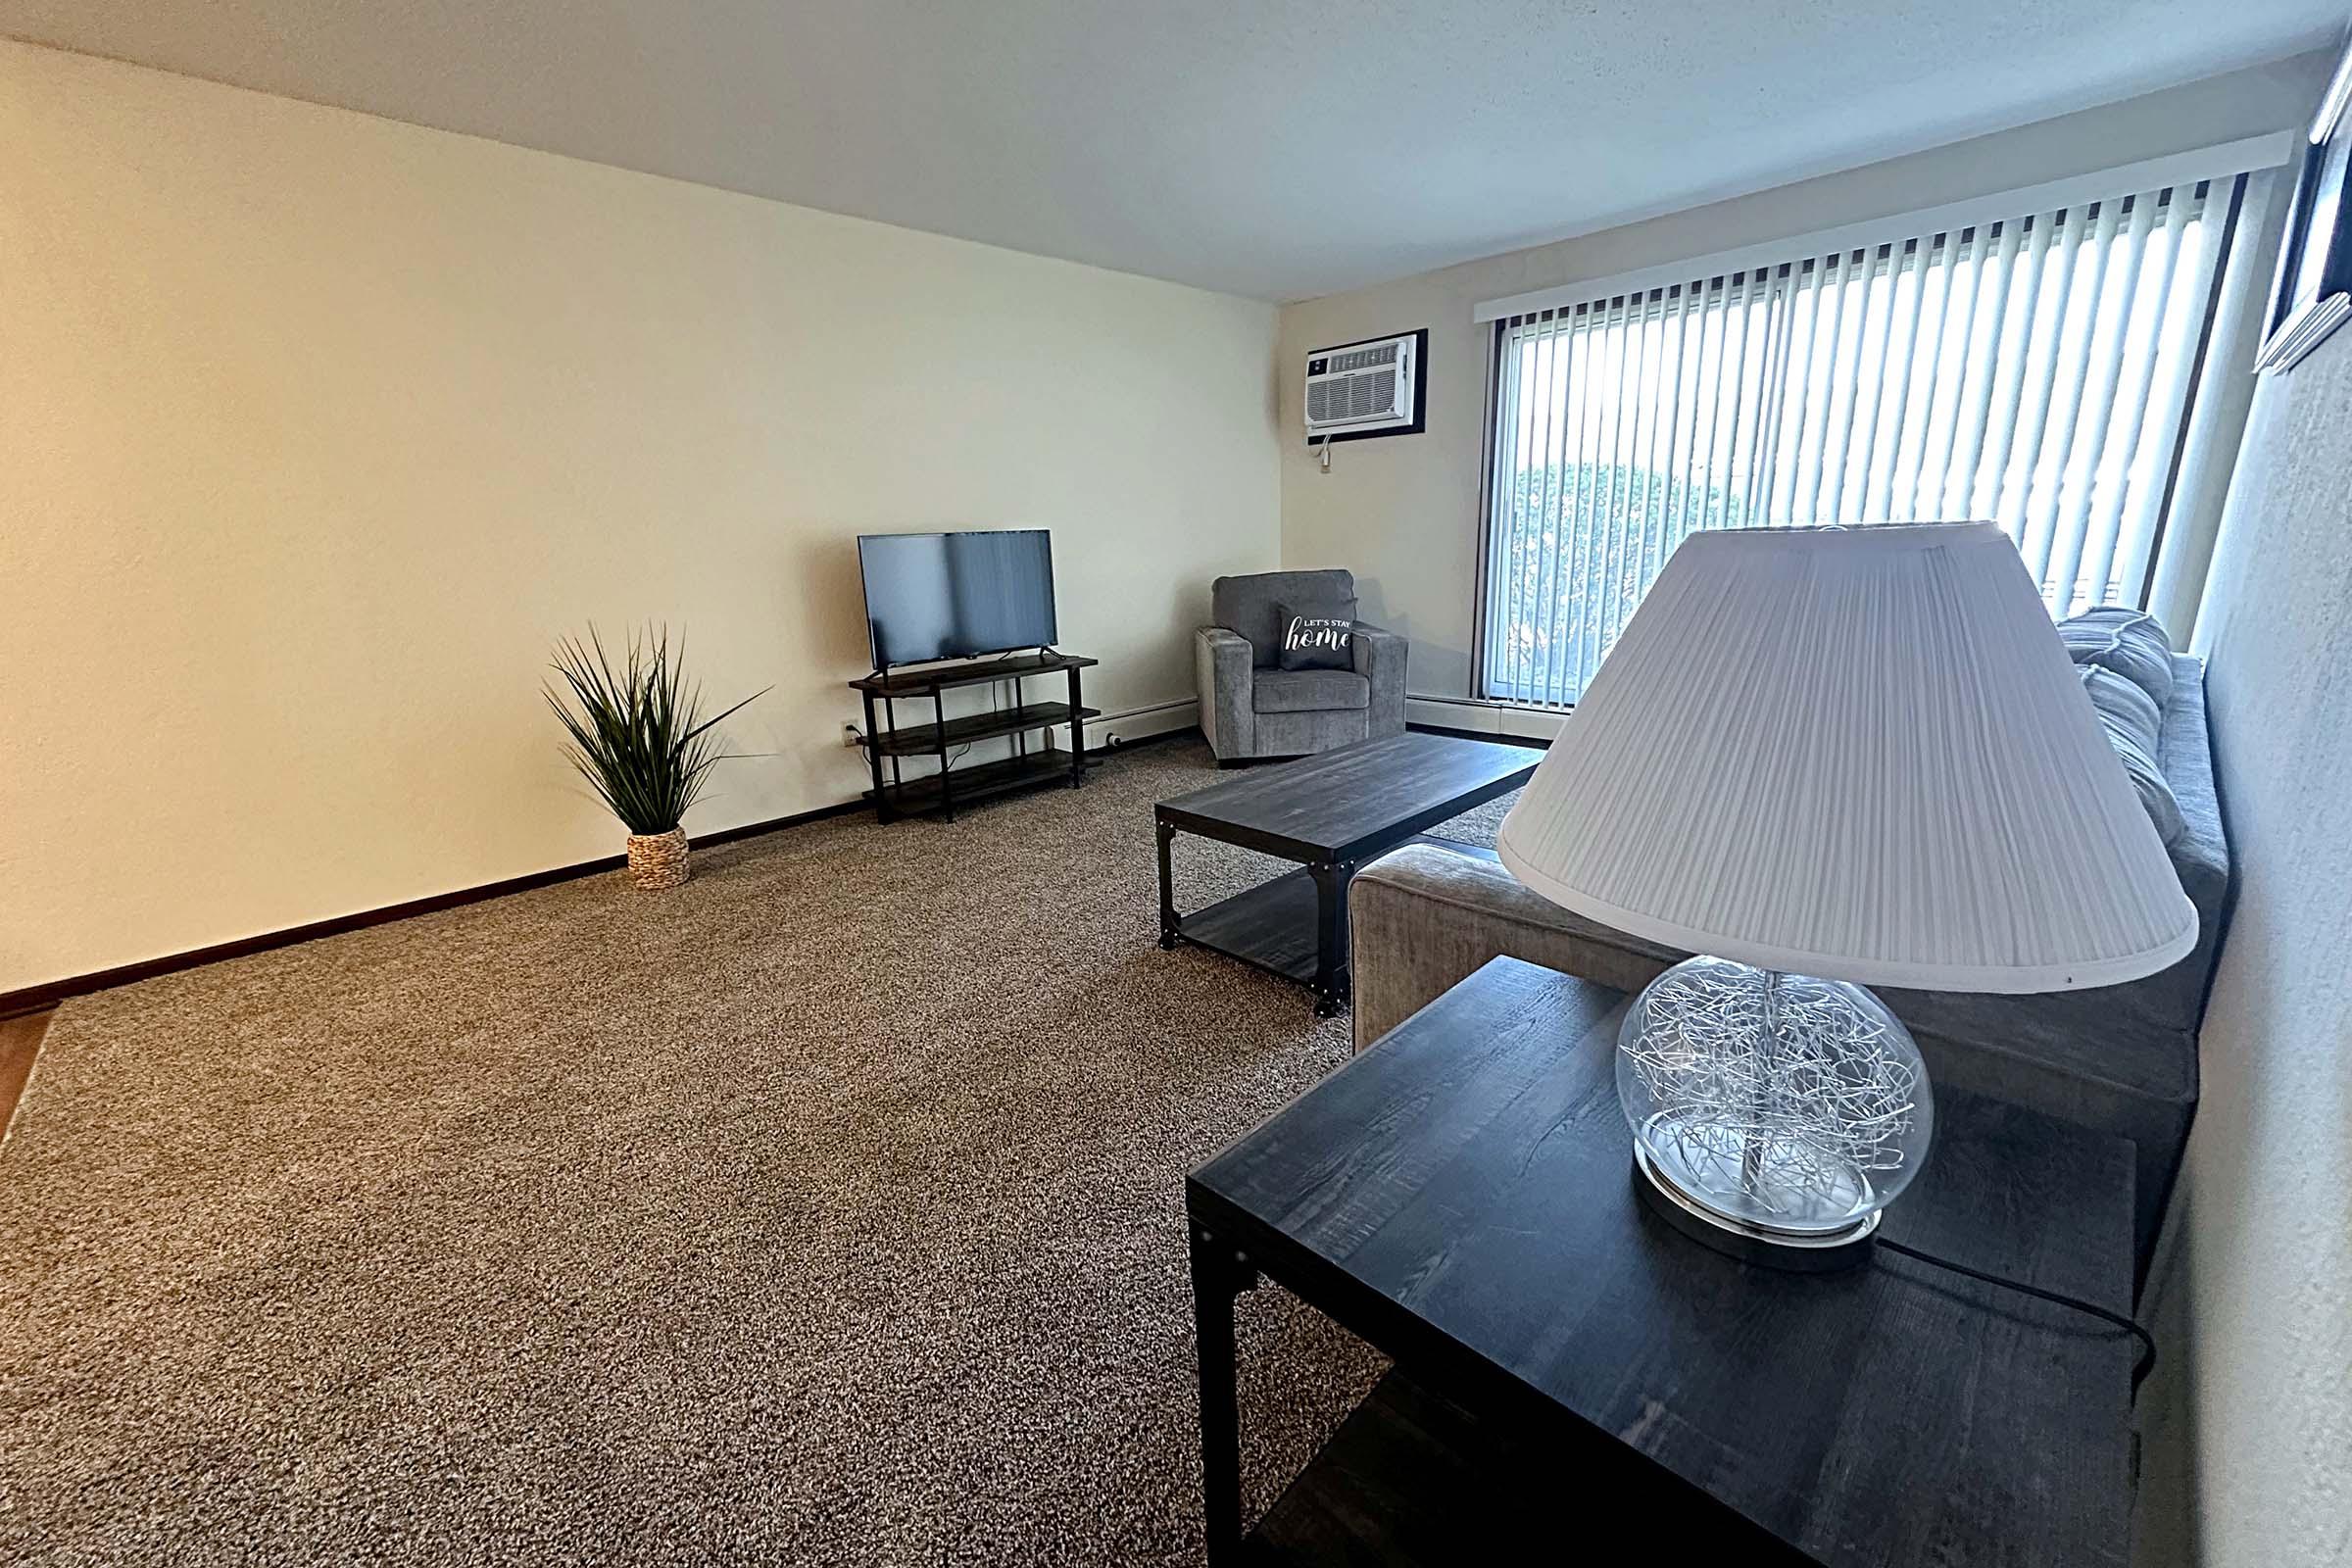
[[939, 794]]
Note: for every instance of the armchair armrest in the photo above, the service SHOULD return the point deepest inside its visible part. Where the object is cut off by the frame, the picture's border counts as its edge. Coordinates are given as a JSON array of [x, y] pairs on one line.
[[1378, 657], [1222, 662]]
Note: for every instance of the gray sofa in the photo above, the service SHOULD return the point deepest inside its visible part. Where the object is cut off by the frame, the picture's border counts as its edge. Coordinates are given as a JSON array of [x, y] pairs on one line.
[[1251, 707], [2122, 1059]]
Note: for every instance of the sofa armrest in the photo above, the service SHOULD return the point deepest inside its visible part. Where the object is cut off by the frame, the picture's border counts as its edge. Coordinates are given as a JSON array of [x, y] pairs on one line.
[[1422, 919], [1378, 657], [1222, 670]]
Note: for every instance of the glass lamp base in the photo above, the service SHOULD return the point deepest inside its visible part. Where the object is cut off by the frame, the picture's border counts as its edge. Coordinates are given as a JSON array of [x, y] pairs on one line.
[[1773, 1115], [1799, 1252]]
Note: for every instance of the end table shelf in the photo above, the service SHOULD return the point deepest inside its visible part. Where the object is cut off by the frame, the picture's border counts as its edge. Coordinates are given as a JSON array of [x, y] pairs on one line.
[[941, 791]]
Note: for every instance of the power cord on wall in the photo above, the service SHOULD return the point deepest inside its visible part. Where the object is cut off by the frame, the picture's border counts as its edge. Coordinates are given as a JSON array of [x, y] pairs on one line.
[[2147, 1342]]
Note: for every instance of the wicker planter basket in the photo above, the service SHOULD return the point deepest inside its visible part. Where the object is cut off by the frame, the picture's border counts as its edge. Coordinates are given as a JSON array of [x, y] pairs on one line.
[[657, 861]]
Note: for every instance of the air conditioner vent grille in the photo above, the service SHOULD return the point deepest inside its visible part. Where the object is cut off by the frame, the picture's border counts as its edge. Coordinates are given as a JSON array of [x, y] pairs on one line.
[[1351, 397]]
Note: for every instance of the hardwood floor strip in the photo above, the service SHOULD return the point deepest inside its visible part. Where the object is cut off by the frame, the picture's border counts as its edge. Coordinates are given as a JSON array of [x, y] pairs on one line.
[[20, 1042]]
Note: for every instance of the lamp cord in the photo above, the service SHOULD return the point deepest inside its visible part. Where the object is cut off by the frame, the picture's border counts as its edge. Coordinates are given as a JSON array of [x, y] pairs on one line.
[[2147, 1342]]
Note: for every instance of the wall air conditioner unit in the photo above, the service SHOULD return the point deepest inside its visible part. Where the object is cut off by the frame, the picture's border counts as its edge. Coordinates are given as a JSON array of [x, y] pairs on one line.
[[1375, 387]]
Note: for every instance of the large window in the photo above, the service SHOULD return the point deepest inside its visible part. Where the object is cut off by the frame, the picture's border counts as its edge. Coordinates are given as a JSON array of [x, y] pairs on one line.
[[2036, 369]]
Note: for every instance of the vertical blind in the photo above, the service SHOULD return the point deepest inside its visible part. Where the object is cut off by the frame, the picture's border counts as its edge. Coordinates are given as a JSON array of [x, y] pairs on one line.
[[2035, 370]]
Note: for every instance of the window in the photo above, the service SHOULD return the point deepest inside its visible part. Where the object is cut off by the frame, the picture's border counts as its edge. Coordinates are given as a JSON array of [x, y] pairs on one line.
[[2037, 369]]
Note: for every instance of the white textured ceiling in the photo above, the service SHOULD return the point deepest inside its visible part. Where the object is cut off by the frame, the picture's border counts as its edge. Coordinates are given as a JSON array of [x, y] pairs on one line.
[[1276, 148]]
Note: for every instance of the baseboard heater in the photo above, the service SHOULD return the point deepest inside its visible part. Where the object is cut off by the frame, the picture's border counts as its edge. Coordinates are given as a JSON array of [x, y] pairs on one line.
[[1143, 722], [1477, 715]]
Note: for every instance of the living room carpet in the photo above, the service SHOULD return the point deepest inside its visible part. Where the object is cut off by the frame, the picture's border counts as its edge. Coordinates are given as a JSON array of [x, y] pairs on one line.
[[827, 1209]]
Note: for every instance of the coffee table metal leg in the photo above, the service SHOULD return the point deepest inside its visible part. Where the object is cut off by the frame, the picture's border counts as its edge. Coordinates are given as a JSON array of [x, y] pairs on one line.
[[1169, 917], [1219, 1274], [1331, 935]]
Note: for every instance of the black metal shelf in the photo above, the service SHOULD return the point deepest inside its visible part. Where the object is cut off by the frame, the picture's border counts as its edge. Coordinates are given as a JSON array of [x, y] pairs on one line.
[[976, 782], [887, 743], [917, 740]]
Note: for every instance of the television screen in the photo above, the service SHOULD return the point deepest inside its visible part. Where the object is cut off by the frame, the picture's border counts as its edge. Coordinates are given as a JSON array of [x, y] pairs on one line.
[[952, 595]]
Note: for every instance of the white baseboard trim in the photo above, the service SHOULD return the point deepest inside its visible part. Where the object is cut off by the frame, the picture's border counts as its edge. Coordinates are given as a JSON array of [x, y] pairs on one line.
[[1477, 717]]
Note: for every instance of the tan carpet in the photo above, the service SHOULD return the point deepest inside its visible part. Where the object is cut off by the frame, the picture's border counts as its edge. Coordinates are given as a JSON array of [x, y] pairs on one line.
[[827, 1211]]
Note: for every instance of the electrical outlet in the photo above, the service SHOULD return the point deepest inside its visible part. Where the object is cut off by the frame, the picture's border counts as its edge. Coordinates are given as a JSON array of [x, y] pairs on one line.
[[848, 736]]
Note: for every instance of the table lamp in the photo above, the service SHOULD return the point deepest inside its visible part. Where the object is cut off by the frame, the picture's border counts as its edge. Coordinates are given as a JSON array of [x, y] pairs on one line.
[[1819, 760]]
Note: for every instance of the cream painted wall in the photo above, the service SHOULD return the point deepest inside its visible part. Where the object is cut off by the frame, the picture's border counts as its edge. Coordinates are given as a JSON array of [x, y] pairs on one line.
[[318, 428], [1403, 511], [2253, 1294]]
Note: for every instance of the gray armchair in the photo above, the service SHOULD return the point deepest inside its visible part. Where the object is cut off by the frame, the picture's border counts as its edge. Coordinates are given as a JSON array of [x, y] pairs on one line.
[[1250, 706]]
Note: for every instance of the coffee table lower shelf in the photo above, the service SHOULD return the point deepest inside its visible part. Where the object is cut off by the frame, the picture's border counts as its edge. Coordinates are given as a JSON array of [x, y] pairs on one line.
[[1272, 926], [1280, 927]]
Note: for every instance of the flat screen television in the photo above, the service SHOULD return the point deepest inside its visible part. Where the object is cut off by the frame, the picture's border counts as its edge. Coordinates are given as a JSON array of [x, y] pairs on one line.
[[956, 595]]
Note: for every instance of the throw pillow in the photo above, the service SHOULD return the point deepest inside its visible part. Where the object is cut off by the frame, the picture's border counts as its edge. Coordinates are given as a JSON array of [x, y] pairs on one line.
[[2130, 642], [2131, 720], [1317, 636]]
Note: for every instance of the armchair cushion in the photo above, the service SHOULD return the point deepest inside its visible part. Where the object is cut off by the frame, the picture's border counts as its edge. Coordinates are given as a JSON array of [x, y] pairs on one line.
[[1308, 691]]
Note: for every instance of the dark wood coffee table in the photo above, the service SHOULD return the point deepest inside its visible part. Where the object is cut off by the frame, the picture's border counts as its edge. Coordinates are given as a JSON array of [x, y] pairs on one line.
[[1572, 1371], [1331, 813]]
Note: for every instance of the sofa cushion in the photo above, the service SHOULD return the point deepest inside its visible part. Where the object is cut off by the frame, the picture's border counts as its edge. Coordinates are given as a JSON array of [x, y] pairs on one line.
[[2202, 856], [2135, 728], [2130, 642], [1308, 691], [1252, 605]]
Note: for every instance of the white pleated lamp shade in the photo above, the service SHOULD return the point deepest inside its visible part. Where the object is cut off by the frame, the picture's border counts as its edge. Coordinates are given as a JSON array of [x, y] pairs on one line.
[[1860, 754]]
